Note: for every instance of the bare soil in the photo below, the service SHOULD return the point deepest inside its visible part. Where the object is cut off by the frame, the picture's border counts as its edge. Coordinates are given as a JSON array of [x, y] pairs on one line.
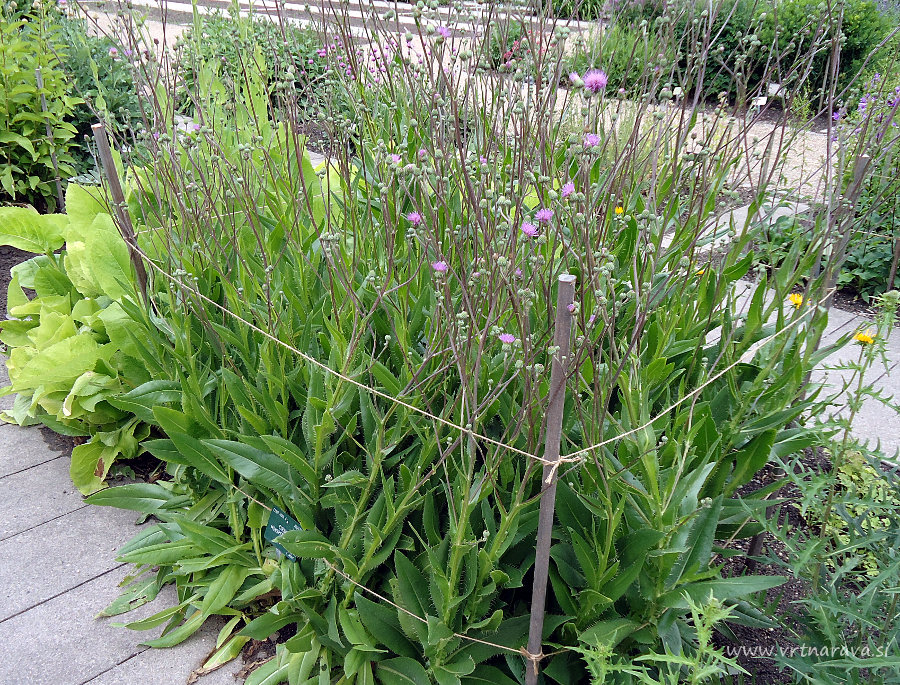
[[9, 257], [774, 560]]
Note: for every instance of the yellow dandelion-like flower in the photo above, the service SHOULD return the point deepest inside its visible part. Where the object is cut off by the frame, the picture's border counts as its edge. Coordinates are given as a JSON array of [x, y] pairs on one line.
[[620, 210], [864, 337], [700, 272], [796, 299]]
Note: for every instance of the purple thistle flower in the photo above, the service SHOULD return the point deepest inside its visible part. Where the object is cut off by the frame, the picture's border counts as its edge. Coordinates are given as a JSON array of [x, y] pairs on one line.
[[574, 77], [518, 273], [414, 218], [422, 154], [113, 52], [395, 159], [507, 338], [595, 80], [440, 267], [571, 307], [196, 127], [443, 31], [567, 189], [528, 229], [544, 215], [591, 140]]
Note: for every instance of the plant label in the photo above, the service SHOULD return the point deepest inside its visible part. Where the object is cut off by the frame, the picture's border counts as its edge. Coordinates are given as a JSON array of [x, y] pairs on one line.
[[279, 524]]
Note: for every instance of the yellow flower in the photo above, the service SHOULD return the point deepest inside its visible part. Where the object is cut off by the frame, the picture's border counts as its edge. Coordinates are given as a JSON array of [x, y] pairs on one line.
[[864, 337], [620, 210], [700, 272], [796, 299]]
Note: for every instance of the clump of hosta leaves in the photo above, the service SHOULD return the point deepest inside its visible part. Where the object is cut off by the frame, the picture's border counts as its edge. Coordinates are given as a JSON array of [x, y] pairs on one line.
[[71, 346]]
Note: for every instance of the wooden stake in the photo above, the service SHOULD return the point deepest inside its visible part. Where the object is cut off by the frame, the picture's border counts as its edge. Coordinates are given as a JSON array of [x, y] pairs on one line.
[[561, 338], [119, 207], [60, 197]]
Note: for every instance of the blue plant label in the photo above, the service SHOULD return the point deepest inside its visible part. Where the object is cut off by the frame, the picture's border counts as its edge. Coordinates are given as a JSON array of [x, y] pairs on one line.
[[279, 524]]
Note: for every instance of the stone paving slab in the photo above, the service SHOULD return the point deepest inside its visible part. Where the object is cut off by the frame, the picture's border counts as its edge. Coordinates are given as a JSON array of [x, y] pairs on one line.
[[6, 402], [37, 495], [61, 642], [78, 546], [876, 423], [22, 449], [170, 666]]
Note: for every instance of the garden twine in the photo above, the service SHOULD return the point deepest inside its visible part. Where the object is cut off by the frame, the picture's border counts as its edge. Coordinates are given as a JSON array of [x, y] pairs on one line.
[[577, 457]]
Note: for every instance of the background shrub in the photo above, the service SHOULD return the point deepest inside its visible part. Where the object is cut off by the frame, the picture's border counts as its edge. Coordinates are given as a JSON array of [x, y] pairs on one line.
[[620, 50], [237, 46], [27, 170], [100, 74], [792, 27], [578, 9]]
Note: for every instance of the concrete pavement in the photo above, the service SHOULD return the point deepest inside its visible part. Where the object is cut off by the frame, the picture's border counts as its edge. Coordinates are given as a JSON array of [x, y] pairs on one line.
[[58, 571]]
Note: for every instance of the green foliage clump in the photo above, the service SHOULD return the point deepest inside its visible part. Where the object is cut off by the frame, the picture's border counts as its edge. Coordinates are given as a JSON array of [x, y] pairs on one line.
[[507, 44], [70, 343], [872, 254], [101, 74], [586, 10], [27, 168], [241, 47], [871, 508], [794, 27], [621, 51]]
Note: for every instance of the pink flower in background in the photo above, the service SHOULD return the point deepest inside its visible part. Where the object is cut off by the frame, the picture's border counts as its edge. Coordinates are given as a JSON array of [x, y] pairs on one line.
[[571, 307], [422, 154], [528, 229], [395, 159], [441, 266], [567, 189], [544, 215], [591, 140], [414, 218], [113, 52], [507, 338], [574, 77], [595, 80]]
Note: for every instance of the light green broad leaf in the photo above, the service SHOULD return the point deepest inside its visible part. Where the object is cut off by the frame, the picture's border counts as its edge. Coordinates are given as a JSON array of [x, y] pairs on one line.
[[91, 462], [25, 229], [97, 259], [57, 366]]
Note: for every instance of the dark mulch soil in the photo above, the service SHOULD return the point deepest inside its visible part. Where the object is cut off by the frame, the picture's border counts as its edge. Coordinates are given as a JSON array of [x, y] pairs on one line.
[[785, 599], [9, 257]]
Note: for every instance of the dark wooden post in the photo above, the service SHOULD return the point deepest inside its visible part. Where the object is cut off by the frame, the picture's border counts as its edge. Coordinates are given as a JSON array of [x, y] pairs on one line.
[[561, 340], [119, 207]]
